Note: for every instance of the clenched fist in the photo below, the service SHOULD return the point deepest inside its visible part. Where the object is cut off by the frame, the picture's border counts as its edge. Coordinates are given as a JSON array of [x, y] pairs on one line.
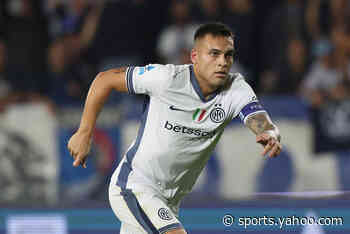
[[79, 146]]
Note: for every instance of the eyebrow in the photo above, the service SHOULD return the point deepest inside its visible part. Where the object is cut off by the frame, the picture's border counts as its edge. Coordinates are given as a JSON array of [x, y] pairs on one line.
[[220, 51]]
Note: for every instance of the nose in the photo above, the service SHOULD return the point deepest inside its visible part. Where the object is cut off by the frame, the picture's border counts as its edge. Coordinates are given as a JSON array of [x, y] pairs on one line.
[[223, 61]]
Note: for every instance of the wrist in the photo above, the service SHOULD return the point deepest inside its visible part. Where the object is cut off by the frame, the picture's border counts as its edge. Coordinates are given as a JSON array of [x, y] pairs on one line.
[[274, 134], [85, 131]]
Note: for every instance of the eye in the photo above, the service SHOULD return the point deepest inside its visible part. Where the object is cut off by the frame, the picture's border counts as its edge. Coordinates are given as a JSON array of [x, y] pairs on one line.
[[214, 53], [229, 55]]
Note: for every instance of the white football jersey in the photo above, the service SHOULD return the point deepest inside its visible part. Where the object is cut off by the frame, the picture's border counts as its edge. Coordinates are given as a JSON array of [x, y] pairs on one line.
[[179, 128]]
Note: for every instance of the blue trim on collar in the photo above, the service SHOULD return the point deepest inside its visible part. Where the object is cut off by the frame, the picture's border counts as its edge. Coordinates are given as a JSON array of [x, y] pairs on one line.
[[196, 87]]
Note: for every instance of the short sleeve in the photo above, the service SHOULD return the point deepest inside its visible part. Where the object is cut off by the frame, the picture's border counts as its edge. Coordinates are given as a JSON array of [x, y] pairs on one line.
[[150, 79], [247, 101]]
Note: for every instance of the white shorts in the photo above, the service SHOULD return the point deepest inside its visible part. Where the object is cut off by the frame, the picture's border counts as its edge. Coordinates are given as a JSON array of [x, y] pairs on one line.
[[141, 212]]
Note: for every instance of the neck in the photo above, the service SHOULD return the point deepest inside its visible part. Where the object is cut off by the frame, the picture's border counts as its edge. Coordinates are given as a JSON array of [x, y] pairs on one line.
[[207, 90]]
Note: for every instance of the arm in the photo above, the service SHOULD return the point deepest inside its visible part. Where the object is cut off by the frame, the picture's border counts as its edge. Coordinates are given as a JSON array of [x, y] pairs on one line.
[[79, 144], [311, 19], [90, 25], [267, 134]]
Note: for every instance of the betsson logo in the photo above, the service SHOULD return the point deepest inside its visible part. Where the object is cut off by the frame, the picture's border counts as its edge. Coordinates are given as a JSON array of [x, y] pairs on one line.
[[189, 131]]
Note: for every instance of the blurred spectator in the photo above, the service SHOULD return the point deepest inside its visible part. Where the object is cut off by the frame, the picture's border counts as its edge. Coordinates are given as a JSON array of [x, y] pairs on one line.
[[329, 77], [175, 41], [82, 22], [77, 22], [55, 11], [70, 82], [239, 14], [341, 41], [340, 12], [327, 89], [127, 32], [323, 15], [288, 76], [70, 70], [325, 80], [26, 39], [207, 10], [2, 18], [5, 88], [286, 21]]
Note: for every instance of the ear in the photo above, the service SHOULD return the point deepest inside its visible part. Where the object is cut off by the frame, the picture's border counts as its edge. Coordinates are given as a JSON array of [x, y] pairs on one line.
[[194, 55]]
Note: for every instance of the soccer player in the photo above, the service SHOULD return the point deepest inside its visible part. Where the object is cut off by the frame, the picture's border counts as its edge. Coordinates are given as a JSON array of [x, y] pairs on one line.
[[187, 109]]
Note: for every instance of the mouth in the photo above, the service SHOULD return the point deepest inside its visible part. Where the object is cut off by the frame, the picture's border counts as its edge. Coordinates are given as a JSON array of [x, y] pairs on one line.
[[221, 73]]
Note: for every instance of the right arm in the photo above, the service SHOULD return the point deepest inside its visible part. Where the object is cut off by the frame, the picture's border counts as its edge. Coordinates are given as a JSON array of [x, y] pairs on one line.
[[311, 19], [79, 144]]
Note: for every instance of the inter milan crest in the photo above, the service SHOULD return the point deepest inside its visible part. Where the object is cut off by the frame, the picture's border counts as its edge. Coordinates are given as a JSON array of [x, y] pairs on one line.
[[164, 214], [217, 115]]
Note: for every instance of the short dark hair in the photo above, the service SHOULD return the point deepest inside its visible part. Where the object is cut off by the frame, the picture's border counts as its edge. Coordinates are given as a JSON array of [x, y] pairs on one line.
[[215, 29]]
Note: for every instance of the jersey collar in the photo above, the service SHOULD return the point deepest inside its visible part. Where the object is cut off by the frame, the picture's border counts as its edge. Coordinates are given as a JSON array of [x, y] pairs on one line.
[[195, 84]]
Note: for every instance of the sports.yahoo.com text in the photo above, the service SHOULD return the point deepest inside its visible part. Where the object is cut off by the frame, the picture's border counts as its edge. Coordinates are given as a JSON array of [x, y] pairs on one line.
[[281, 222]]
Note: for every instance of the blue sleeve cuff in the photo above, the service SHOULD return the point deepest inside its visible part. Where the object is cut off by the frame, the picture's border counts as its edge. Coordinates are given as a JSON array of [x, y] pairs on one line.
[[129, 80]]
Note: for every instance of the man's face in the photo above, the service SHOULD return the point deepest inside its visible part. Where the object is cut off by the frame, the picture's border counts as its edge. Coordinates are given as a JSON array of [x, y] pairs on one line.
[[212, 57]]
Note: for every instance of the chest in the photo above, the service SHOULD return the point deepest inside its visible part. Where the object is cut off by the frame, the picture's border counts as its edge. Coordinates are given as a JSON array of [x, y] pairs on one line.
[[183, 113]]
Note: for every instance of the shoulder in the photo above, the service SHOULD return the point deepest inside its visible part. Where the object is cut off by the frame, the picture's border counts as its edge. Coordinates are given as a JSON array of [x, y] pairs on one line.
[[235, 81], [162, 76], [168, 77], [152, 68], [237, 77], [163, 68], [161, 72], [181, 70], [151, 72], [238, 89], [172, 71]]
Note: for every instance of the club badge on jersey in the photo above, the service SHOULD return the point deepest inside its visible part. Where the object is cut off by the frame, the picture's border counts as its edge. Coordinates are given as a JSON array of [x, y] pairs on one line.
[[165, 214], [217, 115]]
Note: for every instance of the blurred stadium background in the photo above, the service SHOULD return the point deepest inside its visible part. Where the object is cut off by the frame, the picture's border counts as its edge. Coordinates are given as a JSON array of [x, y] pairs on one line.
[[295, 54]]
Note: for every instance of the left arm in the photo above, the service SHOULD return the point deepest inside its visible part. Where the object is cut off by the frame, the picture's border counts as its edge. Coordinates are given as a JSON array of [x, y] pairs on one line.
[[267, 134]]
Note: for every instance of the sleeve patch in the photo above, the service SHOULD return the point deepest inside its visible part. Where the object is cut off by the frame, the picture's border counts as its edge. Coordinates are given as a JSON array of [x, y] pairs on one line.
[[142, 70]]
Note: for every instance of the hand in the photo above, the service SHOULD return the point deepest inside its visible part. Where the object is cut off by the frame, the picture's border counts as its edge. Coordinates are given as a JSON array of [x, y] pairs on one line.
[[270, 143], [79, 146]]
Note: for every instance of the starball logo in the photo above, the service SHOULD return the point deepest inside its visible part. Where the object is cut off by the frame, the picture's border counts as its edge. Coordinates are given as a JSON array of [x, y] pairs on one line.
[[189, 131]]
